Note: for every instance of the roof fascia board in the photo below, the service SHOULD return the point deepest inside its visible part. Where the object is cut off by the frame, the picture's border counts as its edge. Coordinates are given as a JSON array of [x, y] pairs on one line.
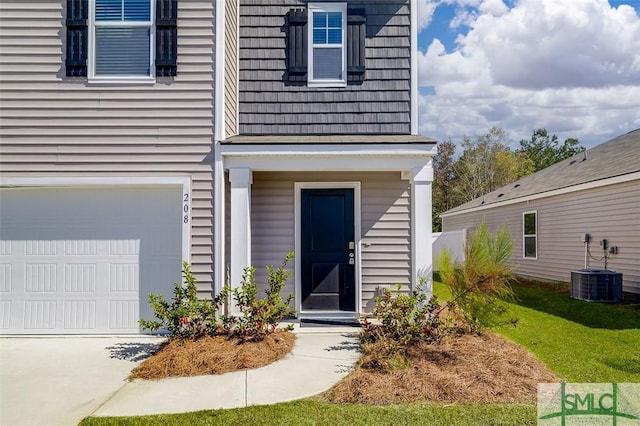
[[326, 163], [329, 150], [325, 158], [569, 189]]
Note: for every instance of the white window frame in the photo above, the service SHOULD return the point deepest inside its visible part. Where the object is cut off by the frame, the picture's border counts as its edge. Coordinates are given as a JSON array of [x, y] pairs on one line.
[[326, 7], [524, 235], [91, 62]]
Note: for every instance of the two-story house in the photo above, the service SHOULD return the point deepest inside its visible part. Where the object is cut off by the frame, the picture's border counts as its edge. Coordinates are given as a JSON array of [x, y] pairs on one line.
[[140, 133]]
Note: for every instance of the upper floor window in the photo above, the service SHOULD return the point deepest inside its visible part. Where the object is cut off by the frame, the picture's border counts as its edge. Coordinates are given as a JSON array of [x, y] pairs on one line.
[[122, 39], [326, 45], [327, 52], [530, 235]]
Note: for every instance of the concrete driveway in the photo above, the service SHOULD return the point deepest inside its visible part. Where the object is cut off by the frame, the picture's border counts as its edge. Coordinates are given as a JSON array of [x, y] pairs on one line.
[[60, 380]]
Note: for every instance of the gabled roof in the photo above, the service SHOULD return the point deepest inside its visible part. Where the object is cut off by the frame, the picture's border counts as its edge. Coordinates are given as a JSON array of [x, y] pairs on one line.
[[617, 157]]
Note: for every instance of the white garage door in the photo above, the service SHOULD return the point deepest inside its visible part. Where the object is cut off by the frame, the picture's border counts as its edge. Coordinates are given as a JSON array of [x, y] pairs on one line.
[[83, 260]]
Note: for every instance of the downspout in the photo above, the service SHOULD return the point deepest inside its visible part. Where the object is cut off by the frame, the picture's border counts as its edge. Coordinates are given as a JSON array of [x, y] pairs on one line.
[[219, 135]]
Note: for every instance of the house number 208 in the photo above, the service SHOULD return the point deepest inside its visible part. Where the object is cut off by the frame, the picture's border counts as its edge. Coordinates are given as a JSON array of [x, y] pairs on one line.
[[185, 208]]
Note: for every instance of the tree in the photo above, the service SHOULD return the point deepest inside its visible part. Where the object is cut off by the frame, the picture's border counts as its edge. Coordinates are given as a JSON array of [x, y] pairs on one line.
[[444, 180], [481, 283], [486, 164], [544, 150]]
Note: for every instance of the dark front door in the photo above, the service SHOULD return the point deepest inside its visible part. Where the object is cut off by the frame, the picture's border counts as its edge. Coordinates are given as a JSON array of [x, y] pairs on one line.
[[328, 250]]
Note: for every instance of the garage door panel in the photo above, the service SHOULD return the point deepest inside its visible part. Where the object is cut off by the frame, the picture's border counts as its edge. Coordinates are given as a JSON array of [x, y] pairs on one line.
[[41, 277], [5, 314], [40, 314], [5, 278], [123, 314], [80, 277], [79, 314], [81, 248], [5, 247], [157, 272], [84, 261]]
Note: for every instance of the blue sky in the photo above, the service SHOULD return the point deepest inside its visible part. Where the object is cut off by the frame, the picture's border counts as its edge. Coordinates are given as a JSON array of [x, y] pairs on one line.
[[570, 66]]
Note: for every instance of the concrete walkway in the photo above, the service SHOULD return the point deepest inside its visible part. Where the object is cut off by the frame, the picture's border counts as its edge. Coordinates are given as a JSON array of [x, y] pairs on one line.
[[61, 380], [320, 358], [57, 381]]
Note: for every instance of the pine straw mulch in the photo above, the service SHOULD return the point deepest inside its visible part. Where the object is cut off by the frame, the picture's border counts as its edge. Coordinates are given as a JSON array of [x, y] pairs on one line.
[[463, 369], [213, 355]]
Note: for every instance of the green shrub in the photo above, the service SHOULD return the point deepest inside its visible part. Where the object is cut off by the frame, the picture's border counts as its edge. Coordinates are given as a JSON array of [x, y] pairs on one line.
[[259, 317], [404, 320], [481, 283], [187, 316]]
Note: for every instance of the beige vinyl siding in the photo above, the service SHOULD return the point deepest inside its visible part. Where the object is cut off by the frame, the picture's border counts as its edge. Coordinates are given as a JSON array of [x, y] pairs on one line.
[[385, 226], [608, 212], [231, 67], [56, 126]]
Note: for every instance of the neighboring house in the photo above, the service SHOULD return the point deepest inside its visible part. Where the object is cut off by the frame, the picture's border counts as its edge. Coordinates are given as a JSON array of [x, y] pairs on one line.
[[596, 192], [137, 134]]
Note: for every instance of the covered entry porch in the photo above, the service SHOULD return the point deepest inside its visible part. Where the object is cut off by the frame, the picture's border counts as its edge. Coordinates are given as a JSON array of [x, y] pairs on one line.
[[357, 216]]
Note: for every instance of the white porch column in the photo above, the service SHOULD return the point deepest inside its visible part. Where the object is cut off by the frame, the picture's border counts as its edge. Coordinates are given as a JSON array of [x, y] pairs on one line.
[[240, 217], [421, 244]]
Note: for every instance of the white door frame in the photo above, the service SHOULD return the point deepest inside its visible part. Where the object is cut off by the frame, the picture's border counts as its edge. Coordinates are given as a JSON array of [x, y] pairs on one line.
[[357, 217]]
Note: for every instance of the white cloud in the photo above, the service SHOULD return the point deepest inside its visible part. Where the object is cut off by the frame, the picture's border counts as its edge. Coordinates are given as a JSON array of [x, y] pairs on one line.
[[426, 8], [570, 66], [463, 17], [493, 7]]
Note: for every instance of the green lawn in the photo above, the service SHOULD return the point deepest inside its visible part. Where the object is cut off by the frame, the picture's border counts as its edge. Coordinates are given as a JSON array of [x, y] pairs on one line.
[[580, 341], [309, 412]]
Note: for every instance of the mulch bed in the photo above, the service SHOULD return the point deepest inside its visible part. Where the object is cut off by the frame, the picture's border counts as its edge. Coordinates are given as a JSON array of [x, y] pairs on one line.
[[213, 355], [463, 369]]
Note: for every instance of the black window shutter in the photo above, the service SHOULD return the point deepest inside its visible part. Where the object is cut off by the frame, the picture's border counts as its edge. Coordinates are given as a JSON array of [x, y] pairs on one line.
[[356, 35], [166, 38], [77, 38], [297, 45]]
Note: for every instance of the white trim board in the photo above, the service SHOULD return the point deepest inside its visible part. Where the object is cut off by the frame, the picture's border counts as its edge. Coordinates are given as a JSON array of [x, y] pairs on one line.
[[113, 181], [219, 105], [396, 149], [560, 191], [357, 217], [414, 67], [346, 157]]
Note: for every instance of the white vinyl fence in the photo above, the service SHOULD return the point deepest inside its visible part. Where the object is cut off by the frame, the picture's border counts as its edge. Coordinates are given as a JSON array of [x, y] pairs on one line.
[[453, 240]]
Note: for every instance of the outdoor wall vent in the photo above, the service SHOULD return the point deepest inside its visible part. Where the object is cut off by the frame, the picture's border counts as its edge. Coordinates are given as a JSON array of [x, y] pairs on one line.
[[596, 285]]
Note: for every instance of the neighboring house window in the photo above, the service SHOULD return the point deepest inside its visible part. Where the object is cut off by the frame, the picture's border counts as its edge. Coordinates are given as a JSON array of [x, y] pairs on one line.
[[121, 39], [530, 235], [326, 45], [327, 53]]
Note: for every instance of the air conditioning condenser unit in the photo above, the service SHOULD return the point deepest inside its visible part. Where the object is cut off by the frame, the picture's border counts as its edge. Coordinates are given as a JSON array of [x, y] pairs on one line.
[[596, 285]]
